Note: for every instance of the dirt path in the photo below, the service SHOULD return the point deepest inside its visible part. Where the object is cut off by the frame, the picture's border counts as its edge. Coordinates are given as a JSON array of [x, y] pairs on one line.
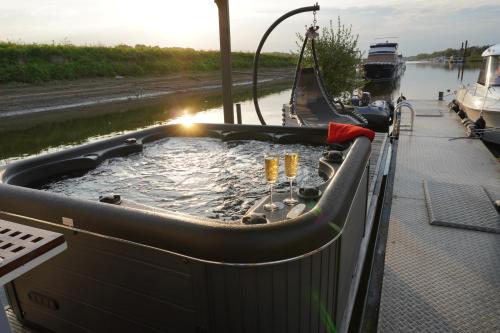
[[18, 100]]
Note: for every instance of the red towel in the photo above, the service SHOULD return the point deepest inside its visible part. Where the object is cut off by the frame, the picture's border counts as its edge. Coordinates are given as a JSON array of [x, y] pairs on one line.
[[338, 133]]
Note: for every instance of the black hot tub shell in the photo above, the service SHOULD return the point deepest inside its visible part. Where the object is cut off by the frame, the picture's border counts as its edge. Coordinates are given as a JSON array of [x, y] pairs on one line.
[[133, 270]]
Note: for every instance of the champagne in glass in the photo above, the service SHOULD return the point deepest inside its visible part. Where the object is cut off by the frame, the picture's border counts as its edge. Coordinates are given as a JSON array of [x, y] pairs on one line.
[[271, 167], [291, 165]]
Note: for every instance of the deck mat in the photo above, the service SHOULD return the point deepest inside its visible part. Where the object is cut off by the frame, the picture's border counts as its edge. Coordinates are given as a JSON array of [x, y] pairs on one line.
[[461, 206]]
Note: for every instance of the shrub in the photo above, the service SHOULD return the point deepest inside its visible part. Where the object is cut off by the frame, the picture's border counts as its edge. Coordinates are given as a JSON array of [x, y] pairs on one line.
[[338, 58]]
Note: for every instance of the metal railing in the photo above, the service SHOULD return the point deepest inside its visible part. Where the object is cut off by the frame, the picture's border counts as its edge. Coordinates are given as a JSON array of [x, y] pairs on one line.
[[397, 126]]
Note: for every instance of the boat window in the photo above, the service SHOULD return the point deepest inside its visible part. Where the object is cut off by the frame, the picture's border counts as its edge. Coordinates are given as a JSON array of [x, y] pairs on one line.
[[494, 71], [380, 49], [482, 73]]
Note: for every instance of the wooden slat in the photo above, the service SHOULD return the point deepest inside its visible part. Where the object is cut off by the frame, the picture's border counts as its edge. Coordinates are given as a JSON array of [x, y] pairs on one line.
[[20, 244], [15, 325]]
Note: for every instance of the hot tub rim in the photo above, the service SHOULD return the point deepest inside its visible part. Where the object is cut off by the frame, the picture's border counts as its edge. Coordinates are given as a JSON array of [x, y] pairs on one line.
[[320, 233]]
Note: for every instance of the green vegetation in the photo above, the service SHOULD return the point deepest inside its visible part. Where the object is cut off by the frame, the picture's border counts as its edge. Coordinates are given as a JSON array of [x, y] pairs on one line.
[[338, 58], [472, 54], [35, 63]]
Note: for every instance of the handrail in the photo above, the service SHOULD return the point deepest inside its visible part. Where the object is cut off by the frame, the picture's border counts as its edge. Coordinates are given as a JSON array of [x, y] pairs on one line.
[[397, 127]]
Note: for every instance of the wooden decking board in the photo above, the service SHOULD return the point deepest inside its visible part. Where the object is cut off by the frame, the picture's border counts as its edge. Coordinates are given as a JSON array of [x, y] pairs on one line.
[[15, 325]]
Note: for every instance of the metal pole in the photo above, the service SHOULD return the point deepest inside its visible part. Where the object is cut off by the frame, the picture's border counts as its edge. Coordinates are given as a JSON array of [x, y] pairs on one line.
[[225, 55], [465, 50], [238, 113]]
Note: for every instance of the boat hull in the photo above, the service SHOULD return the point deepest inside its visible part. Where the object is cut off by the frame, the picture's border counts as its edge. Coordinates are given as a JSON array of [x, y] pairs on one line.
[[472, 100], [382, 71]]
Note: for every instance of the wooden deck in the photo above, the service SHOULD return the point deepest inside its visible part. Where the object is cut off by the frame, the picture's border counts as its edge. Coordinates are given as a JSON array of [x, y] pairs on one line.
[[15, 325]]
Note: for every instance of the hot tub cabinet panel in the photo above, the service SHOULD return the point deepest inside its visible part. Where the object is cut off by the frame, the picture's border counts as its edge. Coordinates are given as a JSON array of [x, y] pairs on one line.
[[107, 285], [130, 270], [304, 295]]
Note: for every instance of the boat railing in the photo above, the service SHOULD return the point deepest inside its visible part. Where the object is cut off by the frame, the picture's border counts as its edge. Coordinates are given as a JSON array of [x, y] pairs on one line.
[[397, 126]]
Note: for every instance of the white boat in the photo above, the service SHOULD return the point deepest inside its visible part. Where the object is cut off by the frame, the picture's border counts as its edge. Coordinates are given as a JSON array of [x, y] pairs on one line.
[[483, 98]]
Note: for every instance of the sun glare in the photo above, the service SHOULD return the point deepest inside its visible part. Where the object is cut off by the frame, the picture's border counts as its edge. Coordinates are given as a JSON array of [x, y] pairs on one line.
[[186, 120], [174, 23]]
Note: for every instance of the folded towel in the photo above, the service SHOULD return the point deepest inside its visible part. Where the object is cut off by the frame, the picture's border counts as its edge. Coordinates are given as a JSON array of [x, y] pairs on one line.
[[338, 133]]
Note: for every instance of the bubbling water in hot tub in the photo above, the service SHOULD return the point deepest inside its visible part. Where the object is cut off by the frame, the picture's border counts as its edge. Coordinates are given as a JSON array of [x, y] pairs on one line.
[[199, 176]]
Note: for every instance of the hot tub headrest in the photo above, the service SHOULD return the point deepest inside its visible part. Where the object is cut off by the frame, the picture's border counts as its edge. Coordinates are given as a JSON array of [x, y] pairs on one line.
[[254, 218], [333, 156], [110, 198]]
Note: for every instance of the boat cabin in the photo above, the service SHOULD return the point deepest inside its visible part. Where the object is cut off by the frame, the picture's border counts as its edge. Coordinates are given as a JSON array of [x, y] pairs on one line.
[[383, 48], [490, 70]]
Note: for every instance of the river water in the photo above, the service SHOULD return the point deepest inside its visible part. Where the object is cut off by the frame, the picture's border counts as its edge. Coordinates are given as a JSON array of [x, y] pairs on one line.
[[420, 81]]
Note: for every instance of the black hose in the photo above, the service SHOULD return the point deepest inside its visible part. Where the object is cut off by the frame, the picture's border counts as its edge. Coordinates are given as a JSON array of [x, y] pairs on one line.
[[259, 49]]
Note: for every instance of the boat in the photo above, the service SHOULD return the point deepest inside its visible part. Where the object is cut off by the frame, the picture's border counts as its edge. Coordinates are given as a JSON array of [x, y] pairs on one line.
[[456, 60], [383, 62], [479, 104], [483, 98]]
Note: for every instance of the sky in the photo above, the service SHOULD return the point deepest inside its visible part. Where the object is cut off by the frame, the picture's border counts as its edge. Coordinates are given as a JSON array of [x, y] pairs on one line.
[[422, 26]]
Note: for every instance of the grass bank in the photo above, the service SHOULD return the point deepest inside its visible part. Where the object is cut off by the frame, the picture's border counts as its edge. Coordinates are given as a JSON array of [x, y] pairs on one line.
[[473, 54], [37, 63]]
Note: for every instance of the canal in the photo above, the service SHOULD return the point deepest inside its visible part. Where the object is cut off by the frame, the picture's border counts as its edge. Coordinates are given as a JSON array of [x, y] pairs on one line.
[[420, 81]]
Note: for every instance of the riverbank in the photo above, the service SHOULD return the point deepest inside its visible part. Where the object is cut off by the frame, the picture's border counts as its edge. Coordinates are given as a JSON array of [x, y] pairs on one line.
[[34, 134], [63, 99]]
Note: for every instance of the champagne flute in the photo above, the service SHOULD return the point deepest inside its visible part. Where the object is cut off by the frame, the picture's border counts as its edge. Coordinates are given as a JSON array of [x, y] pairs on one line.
[[271, 166], [291, 165]]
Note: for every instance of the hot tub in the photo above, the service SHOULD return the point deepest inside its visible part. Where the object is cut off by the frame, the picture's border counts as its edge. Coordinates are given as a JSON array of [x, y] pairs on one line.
[[138, 268]]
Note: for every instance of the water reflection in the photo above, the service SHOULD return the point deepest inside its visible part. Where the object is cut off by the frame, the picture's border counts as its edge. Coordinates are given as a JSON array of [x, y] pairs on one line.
[[385, 90], [271, 107], [423, 80], [420, 81], [54, 134], [471, 66]]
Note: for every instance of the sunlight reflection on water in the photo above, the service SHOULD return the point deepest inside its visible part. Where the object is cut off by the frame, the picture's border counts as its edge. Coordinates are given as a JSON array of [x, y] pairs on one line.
[[270, 106]]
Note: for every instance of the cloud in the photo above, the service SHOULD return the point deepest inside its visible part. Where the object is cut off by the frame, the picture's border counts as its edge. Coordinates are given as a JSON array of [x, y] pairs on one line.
[[422, 26]]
